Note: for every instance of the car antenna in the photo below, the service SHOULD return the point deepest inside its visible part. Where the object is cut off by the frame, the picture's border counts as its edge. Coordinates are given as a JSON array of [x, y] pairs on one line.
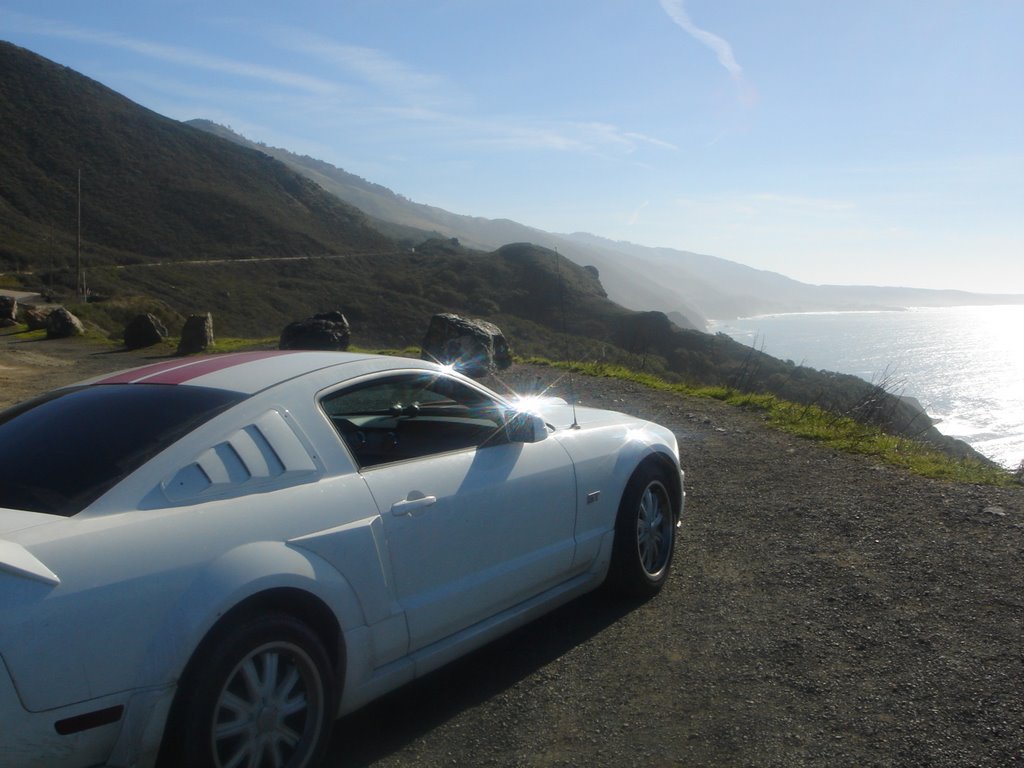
[[565, 337]]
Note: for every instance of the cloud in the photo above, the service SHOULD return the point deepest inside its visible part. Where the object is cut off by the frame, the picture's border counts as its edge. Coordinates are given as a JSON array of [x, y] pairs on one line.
[[797, 202], [676, 10], [632, 135], [372, 66], [635, 216], [517, 133], [428, 98], [770, 205], [177, 55], [604, 134], [350, 85]]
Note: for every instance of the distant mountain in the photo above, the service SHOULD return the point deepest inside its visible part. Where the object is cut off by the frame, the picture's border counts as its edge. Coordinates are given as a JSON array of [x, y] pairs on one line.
[[624, 284], [151, 188], [690, 287], [721, 289]]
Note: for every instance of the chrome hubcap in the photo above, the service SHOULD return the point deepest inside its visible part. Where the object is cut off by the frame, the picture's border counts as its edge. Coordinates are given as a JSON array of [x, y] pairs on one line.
[[270, 710]]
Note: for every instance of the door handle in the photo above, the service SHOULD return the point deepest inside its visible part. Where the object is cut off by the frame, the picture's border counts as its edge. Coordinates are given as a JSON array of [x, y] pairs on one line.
[[413, 504]]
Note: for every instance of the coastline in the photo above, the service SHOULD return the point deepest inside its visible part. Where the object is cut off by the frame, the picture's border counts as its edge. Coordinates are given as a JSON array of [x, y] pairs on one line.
[[962, 363]]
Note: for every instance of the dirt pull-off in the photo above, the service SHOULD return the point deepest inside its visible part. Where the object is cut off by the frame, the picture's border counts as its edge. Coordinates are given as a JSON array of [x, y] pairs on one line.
[[30, 365], [824, 610]]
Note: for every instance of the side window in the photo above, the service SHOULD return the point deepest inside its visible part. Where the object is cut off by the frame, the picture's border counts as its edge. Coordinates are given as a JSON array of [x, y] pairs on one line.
[[408, 416]]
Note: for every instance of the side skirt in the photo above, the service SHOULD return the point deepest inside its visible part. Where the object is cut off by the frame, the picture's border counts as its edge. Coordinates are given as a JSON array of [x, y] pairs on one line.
[[438, 654]]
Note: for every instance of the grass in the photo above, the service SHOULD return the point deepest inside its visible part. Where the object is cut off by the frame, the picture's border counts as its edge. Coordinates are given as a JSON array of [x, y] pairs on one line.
[[92, 335], [10, 282], [812, 422], [234, 344]]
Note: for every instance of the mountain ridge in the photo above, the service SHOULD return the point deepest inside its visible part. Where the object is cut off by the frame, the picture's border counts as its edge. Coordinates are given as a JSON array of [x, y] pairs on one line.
[[691, 286]]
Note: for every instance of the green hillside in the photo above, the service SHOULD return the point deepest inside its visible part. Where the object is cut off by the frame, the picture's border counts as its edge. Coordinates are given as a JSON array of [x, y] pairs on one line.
[[152, 188]]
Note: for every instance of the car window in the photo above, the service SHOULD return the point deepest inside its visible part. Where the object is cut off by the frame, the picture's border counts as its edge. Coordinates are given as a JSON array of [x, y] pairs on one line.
[[62, 451], [409, 416]]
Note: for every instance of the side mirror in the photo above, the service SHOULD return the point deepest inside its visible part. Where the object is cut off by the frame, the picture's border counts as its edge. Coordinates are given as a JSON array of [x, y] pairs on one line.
[[524, 427]]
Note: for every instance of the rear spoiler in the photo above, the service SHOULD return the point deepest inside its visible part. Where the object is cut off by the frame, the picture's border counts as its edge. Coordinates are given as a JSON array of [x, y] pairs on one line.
[[15, 559]]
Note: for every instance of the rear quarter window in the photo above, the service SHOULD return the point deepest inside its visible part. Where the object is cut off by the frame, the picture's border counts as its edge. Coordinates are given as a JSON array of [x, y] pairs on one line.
[[62, 451]]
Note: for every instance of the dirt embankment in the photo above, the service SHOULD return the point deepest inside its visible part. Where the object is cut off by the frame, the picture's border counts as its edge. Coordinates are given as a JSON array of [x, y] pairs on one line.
[[824, 610]]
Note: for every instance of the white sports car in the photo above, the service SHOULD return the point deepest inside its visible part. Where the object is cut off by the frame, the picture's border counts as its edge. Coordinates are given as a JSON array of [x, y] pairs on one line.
[[204, 562]]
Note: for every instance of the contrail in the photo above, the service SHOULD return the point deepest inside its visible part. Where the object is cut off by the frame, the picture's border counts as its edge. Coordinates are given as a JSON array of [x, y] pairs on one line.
[[676, 9], [635, 216]]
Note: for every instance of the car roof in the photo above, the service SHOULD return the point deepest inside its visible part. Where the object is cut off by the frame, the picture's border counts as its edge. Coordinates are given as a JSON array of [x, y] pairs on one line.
[[251, 372]]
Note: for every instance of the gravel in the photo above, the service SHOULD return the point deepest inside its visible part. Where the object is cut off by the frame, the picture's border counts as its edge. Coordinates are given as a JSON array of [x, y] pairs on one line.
[[823, 610]]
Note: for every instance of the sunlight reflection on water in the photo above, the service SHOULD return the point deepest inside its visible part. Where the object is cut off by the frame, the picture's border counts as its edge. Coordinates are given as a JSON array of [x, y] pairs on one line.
[[964, 364]]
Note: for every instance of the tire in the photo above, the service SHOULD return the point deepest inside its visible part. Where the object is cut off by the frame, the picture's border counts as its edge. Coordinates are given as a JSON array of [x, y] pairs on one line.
[[262, 695], [644, 535]]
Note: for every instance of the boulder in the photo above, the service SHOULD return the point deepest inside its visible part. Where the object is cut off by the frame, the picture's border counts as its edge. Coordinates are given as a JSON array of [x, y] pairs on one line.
[[196, 334], [8, 311], [36, 318], [60, 324], [327, 330], [473, 347], [144, 331]]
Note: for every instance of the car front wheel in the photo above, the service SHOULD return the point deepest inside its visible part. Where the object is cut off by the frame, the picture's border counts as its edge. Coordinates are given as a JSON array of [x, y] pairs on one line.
[[644, 535], [262, 696]]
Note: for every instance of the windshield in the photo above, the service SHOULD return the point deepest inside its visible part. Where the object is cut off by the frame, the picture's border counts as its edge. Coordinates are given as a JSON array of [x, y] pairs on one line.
[[62, 451]]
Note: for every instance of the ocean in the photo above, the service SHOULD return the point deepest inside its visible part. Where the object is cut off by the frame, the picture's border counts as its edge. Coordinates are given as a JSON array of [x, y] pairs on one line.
[[965, 365]]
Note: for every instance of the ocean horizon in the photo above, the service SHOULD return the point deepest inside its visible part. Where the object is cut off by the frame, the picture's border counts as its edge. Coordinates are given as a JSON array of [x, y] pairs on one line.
[[964, 365]]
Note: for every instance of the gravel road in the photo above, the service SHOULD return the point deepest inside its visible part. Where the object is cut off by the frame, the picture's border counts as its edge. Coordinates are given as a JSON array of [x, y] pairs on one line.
[[824, 610]]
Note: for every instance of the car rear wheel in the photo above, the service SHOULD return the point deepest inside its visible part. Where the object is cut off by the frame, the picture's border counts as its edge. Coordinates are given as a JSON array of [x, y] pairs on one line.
[[644, 535], [262, 696]]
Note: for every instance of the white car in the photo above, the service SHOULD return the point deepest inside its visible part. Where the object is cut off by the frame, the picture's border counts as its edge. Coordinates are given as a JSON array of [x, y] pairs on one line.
[[205, 561]]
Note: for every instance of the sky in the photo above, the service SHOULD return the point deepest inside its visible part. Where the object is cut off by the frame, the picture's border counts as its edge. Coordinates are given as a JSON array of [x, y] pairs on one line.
[[834, 141]]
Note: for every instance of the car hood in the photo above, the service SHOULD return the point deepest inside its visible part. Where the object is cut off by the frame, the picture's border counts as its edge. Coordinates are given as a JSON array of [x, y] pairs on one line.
[[561, 415]]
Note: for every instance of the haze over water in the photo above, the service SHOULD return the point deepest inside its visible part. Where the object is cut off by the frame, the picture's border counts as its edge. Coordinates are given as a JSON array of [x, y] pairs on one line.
[[964, 364]]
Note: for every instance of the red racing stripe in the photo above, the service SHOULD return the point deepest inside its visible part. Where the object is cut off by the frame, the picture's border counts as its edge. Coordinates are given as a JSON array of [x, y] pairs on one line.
[[128, 377], [178, 371]]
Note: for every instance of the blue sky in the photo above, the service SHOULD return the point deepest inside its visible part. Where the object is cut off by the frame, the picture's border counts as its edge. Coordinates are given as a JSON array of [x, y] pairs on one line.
[[872, 142]]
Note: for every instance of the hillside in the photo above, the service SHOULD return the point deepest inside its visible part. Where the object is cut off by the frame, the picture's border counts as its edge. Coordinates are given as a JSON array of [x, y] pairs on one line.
[[152, 188]]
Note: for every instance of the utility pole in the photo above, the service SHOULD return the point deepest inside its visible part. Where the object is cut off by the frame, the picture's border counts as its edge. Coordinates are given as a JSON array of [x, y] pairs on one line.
[[79, 288]]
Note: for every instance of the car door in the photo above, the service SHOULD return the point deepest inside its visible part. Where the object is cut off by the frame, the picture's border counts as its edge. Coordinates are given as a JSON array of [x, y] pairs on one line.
[[474, 523]]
